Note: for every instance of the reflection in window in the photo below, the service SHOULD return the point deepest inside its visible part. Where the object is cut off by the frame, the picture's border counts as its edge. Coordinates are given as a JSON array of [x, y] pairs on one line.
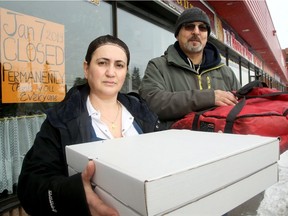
[[145, 41]]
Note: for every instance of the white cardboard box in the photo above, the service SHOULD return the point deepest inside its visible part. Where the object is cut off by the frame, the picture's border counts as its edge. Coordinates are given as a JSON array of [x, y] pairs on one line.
[[215, 204], [178, 170]]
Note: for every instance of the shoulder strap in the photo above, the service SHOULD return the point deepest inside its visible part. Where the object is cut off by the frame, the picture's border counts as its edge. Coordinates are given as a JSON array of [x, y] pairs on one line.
[[197, 116], [249, 87], [233, 114], [239, 106], [272, 94], [246, 89]]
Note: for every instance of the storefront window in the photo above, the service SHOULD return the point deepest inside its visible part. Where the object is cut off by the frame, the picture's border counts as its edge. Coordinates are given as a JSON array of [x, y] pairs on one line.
[[82, 22], [76, 24], [145, 41], [235, 67], [245, 76]]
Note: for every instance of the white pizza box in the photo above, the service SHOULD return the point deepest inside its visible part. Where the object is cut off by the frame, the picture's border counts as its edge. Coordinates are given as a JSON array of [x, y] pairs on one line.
[[218, 203], [227, 198], [156, 173]]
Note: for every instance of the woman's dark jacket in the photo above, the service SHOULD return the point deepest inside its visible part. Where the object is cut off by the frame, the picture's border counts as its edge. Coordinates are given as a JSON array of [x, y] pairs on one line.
[[44, 187]]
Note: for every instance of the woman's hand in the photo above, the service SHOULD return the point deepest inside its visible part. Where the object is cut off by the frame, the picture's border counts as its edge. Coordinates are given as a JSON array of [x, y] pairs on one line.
[[96, 205]]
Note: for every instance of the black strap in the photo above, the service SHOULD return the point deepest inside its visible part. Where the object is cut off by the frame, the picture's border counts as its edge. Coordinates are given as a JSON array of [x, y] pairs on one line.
[[239, 106], [195, 121], [244, 91], [241, 93], [233, 114], [197, 116], [272, 94], [249, 87]]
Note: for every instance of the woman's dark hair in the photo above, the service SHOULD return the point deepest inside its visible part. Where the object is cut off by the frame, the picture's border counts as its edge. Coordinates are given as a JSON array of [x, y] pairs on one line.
[[103, 40]]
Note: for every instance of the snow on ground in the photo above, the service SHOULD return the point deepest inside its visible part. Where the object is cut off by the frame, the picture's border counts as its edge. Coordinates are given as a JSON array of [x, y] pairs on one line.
[[275, 202]]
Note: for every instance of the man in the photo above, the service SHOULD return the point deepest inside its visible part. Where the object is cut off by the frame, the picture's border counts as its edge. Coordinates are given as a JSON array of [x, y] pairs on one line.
[[190, 75]]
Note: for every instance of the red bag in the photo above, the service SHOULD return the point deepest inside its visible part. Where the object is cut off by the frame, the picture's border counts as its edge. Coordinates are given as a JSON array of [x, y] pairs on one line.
[[260, 110]]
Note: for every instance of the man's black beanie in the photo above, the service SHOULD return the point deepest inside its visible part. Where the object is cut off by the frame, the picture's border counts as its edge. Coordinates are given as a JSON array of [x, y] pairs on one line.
[[192, 15]]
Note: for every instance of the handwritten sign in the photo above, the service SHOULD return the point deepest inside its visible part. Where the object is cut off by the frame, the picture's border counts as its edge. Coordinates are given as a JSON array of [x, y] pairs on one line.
[[32, 59]]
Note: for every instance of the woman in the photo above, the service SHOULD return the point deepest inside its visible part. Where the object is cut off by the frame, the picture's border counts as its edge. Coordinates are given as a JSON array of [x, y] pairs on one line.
[[90, 112]]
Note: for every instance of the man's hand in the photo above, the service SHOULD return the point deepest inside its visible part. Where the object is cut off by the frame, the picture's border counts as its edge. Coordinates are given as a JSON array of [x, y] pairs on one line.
[[96, 205], [224, 98]]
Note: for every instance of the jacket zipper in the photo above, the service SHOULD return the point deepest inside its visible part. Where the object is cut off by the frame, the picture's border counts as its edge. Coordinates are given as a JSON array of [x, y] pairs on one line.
[[208, 80]]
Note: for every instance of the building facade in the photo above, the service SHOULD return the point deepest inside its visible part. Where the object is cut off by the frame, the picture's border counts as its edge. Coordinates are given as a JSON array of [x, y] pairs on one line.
[[44, 43]]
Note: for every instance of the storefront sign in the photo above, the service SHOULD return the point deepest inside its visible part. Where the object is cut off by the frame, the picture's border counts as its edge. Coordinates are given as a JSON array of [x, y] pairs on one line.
[[236, 45], [257, 62], [32, 59]]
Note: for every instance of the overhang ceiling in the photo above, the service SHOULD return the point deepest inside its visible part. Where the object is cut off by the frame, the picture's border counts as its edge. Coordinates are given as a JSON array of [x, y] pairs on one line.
[[237, 15]]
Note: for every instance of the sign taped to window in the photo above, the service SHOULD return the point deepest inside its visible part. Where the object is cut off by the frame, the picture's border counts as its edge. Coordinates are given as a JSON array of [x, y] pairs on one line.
[[32, 59]]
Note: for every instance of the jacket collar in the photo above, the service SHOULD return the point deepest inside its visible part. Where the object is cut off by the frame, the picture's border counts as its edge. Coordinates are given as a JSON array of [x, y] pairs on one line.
[[74, 105], [211, 56]]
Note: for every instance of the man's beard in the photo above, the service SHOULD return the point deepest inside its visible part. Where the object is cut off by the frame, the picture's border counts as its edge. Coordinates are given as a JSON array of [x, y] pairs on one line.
[[193, 49]]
